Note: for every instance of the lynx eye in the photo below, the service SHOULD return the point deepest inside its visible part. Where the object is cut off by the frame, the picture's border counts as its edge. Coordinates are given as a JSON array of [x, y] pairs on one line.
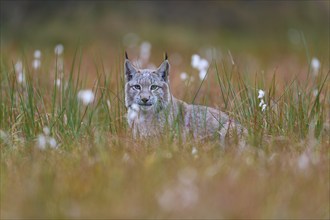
[[137, 87], [154, 87]]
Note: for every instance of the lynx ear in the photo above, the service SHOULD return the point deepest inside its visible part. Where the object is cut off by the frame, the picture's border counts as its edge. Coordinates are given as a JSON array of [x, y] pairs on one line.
[[164, 69], [129, 69]]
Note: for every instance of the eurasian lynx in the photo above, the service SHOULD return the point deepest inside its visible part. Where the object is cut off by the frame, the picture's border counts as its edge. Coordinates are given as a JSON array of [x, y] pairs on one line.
[[152, 109]]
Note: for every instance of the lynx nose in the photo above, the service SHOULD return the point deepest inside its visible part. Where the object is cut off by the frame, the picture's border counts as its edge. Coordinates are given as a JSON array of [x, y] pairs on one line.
[[144, 100]]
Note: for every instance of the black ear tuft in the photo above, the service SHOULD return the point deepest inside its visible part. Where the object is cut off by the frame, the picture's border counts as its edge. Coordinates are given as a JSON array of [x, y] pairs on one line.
[[165, 56], [126, 56]]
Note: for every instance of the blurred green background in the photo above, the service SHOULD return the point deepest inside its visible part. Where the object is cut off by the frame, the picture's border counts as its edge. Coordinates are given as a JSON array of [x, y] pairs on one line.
[[269, 30]]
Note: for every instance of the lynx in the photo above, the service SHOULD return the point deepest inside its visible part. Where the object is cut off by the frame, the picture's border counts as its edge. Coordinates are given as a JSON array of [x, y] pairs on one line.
[[153, 110]]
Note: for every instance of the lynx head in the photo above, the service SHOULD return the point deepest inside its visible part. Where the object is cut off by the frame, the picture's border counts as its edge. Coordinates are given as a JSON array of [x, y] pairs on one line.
[[149, 89]]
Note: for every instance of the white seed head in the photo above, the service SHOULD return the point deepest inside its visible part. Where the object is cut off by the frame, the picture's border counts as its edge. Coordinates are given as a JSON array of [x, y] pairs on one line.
[[263, 108], [212, 171], [52, 142], [187, 175], [261, 94], [65, 119], [41, 142], [18, 66], [21, 77], [182, 194], [59, 48], [145, 50], [37, 54], [3, 135], [202, 74], [315, 63], [108, 103], [261, 102], [303, 162], [86, 96], [46, 131], [58, 82], [126, 157], [194, 151], [36, 64], [195, 59], [183, 76], [203, 64]]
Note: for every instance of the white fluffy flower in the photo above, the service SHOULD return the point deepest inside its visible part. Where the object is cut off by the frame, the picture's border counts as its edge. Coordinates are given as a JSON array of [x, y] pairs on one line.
[[108, 103], [303, 162], [145, 50], [263, 108], [261, 94], [261, 102], [36, 64], [315, 63], [21, 77], [86, 96], [52, 142], [195, 59], [203, 64], [3, 135], [42, 141], [59, 48], [183, 76], [58, 82], [126, 157], [46, 131], [37, 54], [182, 194], [18, 66], [194, 151], [202, 74]]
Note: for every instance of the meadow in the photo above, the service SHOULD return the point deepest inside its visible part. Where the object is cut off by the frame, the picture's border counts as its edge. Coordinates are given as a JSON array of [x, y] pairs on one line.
[[67, 151]]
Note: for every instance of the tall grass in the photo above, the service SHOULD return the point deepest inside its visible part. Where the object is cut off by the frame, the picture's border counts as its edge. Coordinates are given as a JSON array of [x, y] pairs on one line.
[[98, 170]]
